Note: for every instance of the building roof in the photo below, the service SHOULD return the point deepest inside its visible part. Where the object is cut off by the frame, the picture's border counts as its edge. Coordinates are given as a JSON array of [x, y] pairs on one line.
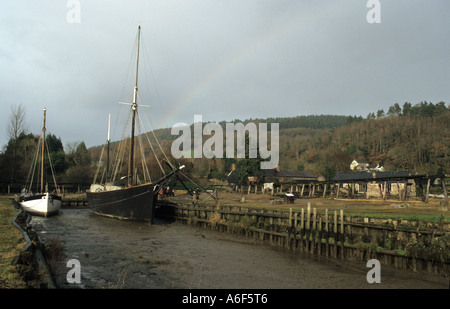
[[359, 176], [360, 161], [352, 176], [392, 174], [290, 174]]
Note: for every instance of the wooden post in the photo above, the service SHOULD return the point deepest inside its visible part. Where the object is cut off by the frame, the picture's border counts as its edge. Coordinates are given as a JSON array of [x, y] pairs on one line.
[[324, 190], [308, 219], [319, 248], [406, 188], [314, 231], [337, 190], [314, 218], [381, 191], [428, 190], [308, 228], [303, 189], [290, 217], [302, 223], [342, 237], [295, 231], [367, 190], [302, 230], [326, 232], [335, 233]]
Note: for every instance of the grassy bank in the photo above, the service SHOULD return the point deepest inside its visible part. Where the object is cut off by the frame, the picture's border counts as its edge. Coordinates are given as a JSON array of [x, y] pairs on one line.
[[11, 244], [393, 208]]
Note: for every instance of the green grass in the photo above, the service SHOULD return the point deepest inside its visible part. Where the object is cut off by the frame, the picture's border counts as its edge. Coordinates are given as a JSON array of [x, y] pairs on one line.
[[11, 244], [402, 217]]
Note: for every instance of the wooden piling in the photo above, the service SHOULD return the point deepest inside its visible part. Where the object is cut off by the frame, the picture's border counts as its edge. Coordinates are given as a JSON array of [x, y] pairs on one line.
[[314, 231], [342, 235], [316, 227], [302, 230], [335, 233], [319, 249], [327, 247]]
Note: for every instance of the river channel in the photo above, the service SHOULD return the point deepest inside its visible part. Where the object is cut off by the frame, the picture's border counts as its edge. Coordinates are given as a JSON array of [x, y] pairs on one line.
[[173, 255]]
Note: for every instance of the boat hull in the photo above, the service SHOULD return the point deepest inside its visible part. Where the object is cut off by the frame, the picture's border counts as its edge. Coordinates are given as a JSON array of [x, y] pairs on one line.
[[133, 203], [41, 204]]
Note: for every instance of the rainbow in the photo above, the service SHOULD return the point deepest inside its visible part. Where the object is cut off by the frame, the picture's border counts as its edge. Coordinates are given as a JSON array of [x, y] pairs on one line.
[[226, 66]]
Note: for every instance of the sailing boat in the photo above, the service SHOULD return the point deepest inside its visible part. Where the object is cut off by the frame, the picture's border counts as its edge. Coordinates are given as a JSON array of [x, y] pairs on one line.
[[43, 203], [133, 201]]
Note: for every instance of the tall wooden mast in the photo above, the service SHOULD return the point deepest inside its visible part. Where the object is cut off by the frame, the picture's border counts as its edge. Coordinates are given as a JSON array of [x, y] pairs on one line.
[[134, 109], [107, 154], [42, 153]]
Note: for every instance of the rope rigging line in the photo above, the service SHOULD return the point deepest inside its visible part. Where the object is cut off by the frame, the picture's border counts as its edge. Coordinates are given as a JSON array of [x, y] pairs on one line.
[[99, 163], [159, 145], [153, 150], [33, 166], [51, 167]]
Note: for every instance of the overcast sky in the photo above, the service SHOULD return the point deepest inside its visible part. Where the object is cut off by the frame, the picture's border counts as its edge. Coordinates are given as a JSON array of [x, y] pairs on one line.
[[223, 59]]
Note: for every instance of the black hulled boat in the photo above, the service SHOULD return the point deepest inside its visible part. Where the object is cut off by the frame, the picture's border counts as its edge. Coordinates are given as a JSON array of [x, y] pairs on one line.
[[133, 200]]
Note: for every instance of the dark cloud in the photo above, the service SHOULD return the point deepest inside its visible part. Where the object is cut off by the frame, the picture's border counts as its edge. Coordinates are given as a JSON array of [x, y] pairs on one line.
[[222, 59]]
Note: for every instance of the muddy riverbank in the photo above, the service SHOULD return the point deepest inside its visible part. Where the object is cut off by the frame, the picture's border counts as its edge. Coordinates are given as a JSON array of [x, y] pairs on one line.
[[172, 255]]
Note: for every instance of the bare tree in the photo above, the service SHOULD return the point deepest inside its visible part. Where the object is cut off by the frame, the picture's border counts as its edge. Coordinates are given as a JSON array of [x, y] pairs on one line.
[[16, 124]]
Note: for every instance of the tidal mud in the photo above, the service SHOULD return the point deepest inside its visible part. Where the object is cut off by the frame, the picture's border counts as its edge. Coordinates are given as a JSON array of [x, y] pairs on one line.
[[171, 255]]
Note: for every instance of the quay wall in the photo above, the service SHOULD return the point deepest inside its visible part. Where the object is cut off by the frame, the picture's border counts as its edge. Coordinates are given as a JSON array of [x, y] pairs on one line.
[[404, 244]]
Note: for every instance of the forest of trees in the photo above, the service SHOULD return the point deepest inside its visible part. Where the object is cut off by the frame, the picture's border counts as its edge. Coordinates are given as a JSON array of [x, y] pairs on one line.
[[414, 138], [71, 165], [408, 137]]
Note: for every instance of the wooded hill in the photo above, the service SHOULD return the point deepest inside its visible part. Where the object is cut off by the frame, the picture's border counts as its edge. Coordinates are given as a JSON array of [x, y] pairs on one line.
[[412, 137]]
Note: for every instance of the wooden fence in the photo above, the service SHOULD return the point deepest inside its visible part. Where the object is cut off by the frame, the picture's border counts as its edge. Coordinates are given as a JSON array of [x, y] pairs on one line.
[[404, 244]]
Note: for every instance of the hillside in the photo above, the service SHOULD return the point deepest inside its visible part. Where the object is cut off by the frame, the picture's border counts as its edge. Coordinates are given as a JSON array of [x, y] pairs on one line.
[[414, 138]]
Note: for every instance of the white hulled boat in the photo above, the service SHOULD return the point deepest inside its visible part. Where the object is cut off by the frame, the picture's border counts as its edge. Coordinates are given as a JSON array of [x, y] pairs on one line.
[[44, 203]]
